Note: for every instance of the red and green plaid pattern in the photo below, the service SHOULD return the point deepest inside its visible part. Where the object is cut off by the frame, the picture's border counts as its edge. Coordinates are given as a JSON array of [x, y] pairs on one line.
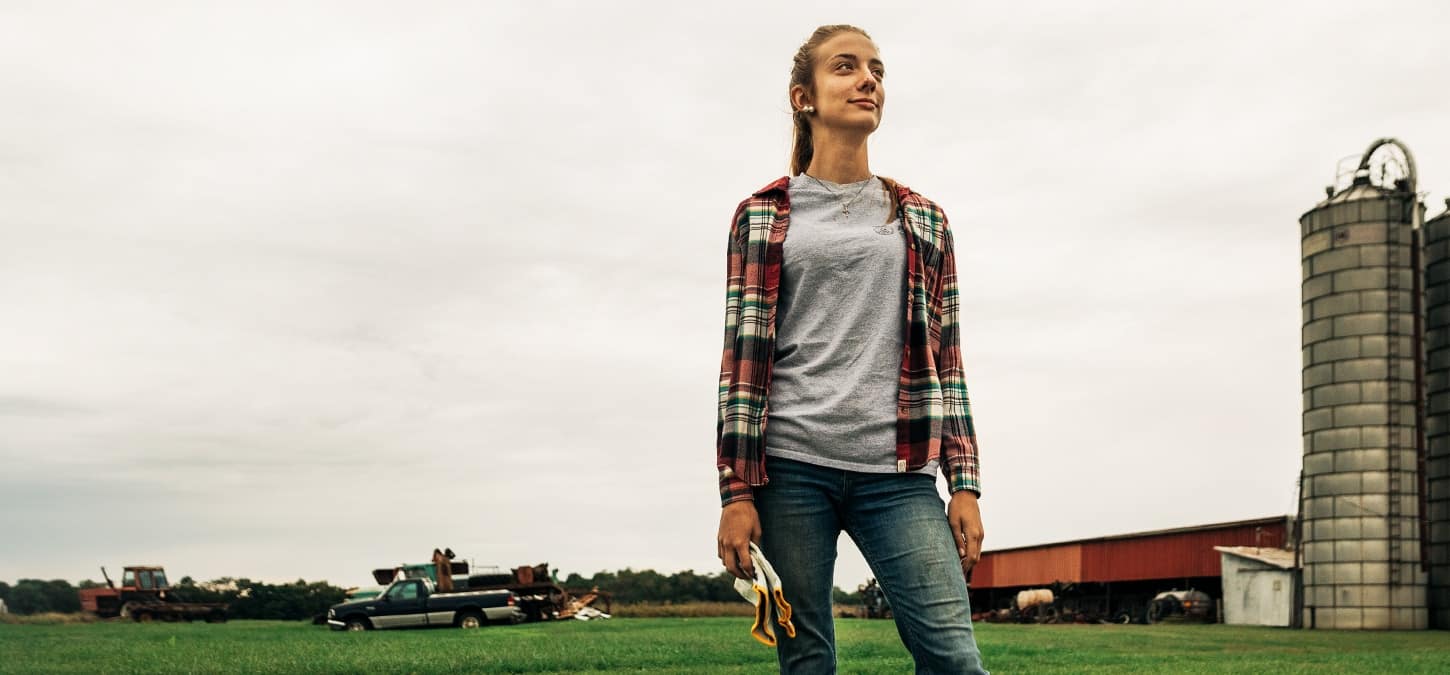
[[934, 418]]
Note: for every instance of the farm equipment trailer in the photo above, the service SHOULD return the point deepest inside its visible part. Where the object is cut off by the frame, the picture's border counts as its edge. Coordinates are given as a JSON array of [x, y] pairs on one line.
[[539, 596]]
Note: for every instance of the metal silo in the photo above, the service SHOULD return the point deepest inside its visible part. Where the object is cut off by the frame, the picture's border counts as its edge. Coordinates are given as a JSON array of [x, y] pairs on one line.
[[1437, 426], [1360, 500]]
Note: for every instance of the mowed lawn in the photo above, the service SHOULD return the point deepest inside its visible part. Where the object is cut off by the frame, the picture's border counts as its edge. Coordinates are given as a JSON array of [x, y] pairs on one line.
[[697, 645]]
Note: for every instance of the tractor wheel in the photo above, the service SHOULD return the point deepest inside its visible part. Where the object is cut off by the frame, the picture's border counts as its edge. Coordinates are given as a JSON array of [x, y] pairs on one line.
[[143, 617], [470, 619], [1158, 610], [357, 624]]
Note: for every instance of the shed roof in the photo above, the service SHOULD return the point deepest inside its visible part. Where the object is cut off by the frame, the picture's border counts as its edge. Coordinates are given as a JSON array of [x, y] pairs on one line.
[[1278, 557]]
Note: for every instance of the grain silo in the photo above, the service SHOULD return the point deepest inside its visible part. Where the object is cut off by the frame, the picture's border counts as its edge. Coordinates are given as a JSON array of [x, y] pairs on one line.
[[1360, 500], [1437, 423]]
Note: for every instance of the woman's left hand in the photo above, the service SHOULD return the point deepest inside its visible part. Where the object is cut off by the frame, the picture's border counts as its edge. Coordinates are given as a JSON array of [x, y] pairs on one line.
[[966, 522]]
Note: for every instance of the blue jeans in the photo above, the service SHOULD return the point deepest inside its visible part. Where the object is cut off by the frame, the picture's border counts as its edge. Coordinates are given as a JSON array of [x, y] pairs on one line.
[[899, 522]]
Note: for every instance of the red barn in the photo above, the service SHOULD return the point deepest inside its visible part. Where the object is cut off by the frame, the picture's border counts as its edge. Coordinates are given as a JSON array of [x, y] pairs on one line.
[[1118, 574]]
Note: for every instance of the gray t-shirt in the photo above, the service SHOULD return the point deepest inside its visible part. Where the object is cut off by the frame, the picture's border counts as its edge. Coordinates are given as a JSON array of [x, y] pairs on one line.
[[839, 329]]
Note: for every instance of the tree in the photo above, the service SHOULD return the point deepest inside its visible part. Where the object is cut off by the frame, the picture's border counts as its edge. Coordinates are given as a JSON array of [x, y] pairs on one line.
[[627, 585], [258, 600], [28, 598], [32, 596], [61, 595], [841, 597]]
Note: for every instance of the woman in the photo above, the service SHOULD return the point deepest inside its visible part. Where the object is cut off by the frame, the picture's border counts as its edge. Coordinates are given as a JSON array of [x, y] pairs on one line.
[[849, 329]]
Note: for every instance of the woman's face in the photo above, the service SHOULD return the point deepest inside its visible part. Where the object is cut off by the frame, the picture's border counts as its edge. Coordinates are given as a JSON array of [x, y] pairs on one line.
[[849, 93]]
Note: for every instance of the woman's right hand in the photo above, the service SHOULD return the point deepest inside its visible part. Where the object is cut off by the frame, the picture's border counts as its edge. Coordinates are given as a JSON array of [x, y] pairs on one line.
[[739, 525]]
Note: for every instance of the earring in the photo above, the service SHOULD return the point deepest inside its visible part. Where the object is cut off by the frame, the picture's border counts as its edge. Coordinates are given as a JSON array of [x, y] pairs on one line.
[[808, 109]]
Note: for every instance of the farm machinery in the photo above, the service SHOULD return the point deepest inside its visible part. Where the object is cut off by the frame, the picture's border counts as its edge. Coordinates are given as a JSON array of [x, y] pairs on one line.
[[873, 600], [1067, 602], [1189, 605], [539, 596], [144, 595]]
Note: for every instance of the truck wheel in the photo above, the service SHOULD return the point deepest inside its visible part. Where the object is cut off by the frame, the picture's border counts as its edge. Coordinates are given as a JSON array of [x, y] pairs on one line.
[[470, 619], [356, 624]]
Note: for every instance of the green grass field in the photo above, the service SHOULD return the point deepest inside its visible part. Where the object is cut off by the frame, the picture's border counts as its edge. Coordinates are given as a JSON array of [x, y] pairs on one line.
[[696, 645]]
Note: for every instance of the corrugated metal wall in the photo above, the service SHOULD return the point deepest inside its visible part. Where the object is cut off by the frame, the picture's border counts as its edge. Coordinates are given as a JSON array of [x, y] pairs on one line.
[[1020, 567], [1437, 425], [1171, 555]]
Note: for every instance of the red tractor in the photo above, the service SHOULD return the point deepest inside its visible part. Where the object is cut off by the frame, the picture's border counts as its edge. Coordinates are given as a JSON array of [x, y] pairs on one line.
[[144, 596]]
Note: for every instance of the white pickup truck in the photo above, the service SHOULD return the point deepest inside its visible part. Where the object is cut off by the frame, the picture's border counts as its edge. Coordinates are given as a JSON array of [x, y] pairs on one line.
[[415, 603]]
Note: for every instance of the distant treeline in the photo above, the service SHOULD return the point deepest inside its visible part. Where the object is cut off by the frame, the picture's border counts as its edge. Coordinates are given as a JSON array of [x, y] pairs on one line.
[[247, 599], [303, 600], [629, 586]]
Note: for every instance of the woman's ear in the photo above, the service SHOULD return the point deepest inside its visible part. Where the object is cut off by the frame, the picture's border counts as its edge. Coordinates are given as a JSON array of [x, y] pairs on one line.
[[798, 97]]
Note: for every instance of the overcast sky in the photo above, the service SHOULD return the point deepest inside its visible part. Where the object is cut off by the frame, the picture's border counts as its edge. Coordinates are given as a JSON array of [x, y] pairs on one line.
[[303, 289]]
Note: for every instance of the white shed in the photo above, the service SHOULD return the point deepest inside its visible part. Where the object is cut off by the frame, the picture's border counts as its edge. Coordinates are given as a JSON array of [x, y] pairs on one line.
[[1258, 585]]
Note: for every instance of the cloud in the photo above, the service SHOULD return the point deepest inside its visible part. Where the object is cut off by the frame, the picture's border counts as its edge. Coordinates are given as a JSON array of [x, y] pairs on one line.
[[285, 277]]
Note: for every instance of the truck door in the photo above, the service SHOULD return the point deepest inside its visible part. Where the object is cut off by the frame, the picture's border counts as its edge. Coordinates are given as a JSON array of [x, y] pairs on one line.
[[402, 606]]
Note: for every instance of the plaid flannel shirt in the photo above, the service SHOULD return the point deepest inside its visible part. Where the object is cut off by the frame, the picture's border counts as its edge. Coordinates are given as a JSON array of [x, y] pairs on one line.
[[934, 419]]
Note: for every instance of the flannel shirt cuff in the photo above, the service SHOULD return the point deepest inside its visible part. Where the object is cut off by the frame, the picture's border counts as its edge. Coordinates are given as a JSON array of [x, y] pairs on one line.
[[733, 489], [963, 478]]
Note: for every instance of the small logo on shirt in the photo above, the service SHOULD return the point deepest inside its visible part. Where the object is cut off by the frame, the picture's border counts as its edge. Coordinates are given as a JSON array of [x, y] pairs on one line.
[[889, 228]]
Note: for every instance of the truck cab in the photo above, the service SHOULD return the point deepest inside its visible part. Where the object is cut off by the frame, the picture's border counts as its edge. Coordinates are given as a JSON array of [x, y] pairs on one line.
[[145, 580], [404, 603]]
